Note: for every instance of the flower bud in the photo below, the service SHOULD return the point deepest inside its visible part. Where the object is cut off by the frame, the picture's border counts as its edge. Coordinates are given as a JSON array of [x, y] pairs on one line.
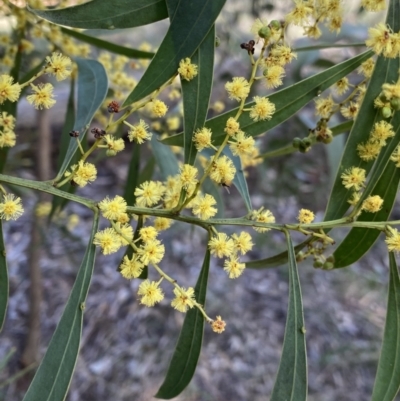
[[328, 266], [296, 143], [265, 32], [275, 24], [217, 41], [395, 103], [386, 112], [318, 264]]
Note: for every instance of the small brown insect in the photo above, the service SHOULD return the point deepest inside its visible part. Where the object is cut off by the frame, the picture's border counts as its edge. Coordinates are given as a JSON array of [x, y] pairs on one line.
[[248, 46]]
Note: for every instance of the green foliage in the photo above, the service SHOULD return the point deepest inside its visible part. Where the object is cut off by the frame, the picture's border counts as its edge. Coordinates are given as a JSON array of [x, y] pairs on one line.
[[53, 378], [192, 35]]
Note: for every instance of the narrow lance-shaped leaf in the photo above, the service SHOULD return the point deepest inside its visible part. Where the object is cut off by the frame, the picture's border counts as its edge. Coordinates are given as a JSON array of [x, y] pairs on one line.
[[165, 158], [359, 240], [58, 203], [277, 260], [52, 379], [387, 381], [287, 102], [92, 90], [239, 180], [291, 380], [196, 94], [187, 350], [111, 47], [190, 24], [100, 14], [386, 70], [3, 280]]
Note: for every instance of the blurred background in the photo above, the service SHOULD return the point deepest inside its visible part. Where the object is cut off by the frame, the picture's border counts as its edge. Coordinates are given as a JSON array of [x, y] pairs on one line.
[[126, 347]]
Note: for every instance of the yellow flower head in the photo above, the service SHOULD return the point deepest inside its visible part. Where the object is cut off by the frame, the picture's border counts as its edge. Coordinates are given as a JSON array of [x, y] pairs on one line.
[[42, 96], [324, 106], [150, 293], [242, 242], [58, 65], [188, 176], [114, 145], [184, 299], [305, 216], [131, 268], [372, 204], [158, 108], [162, 223], [221, 245], [202, 138], [238, 89], [218, 325], [367, 67], [262, 110], [187, 70], [149, 193], [393, 239], [353, 178], [223, 171], [202, 207], [232, 126], [7, 121], [112, 209], [374, 5], [243, 145], [8, 90], [148, 233], [151, 252], [84, 173], [11, 207], [233, 267], [341, 86], [300, 13], [138, 133], [262, 216], [8, 139], [369, 150], [380, 39], [273, 76], [108, 240], [350, 110]]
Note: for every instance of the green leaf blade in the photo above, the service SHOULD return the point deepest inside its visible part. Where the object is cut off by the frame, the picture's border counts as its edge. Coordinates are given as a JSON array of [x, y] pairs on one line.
[[386, 70], [387, 380], [92, 90], [100, 14], [111, 47], [187, 351], [190, 24], [359, 240], [52, 379], [165, 158], [196, 94], [291, 380], [4, 283], [287, 102]]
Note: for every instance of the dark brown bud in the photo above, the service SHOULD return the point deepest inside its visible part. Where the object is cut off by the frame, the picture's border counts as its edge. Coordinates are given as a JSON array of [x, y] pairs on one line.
[[74, 134], [113, 107], [97, 132]]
